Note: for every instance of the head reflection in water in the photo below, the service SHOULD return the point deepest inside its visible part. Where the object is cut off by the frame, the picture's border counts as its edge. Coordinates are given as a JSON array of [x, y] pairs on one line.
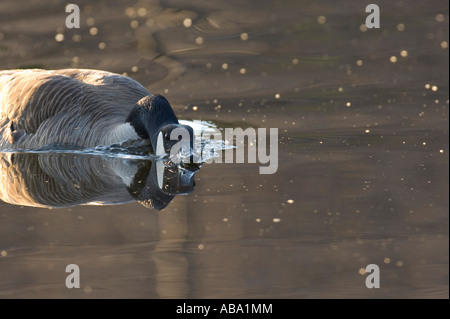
[[64, 180]]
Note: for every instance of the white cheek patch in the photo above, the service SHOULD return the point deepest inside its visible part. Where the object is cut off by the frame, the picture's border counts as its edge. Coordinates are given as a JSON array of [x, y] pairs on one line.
[[160, 173], [160, 151]]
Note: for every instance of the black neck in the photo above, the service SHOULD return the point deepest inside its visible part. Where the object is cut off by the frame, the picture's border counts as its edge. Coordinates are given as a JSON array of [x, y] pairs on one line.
[[149, 115]]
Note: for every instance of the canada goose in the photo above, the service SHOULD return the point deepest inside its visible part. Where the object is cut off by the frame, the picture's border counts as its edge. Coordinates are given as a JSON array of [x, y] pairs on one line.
[[81, 108]]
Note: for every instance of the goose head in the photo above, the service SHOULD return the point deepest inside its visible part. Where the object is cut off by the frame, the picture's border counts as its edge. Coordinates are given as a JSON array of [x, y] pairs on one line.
[[153, 118]]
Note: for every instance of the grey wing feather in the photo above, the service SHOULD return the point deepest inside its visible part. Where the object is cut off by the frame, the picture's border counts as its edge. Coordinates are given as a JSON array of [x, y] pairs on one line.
[[68, 102]]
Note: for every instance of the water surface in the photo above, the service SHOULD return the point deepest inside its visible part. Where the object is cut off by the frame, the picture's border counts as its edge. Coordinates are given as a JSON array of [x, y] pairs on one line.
[[363, 153]]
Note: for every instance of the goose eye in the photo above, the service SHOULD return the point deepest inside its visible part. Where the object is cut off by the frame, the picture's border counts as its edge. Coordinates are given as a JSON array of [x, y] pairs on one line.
[[167, 137], [180, 137]]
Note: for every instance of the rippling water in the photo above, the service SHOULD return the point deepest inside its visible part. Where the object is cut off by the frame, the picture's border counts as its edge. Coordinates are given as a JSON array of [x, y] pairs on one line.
[[363, 153]]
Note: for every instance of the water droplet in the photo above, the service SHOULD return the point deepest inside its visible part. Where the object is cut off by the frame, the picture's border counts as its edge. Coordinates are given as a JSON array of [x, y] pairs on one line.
[[244, 36], [76, 38], [142, 12], [90, 22], [321, 19], [134, 24], [93, 31], [130, 12], [187, 23], [199, 40], [440, 17], [87, 290], [59, 37]]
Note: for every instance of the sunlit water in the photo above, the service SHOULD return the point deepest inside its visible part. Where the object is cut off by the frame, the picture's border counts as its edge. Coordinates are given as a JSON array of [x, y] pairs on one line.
[[363, 154]]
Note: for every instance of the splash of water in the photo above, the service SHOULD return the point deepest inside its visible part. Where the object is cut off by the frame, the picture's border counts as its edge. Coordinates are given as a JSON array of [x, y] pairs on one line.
[[142, 150]]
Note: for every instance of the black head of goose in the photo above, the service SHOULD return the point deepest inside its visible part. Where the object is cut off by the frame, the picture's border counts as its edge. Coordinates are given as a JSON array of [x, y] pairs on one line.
[[153, 118]]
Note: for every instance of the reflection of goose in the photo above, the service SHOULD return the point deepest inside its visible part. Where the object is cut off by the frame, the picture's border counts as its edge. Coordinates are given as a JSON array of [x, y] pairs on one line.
[[82, 108], [62, 180]]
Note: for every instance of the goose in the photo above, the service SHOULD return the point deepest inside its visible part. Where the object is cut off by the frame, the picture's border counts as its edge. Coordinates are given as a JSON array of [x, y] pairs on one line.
[[82, 108]]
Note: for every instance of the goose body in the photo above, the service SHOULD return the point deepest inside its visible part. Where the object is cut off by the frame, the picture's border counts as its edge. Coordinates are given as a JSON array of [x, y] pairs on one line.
[[79, 108]]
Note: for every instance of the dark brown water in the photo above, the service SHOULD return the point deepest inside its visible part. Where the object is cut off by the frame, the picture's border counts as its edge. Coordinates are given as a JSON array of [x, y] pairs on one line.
[[363, 153]]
